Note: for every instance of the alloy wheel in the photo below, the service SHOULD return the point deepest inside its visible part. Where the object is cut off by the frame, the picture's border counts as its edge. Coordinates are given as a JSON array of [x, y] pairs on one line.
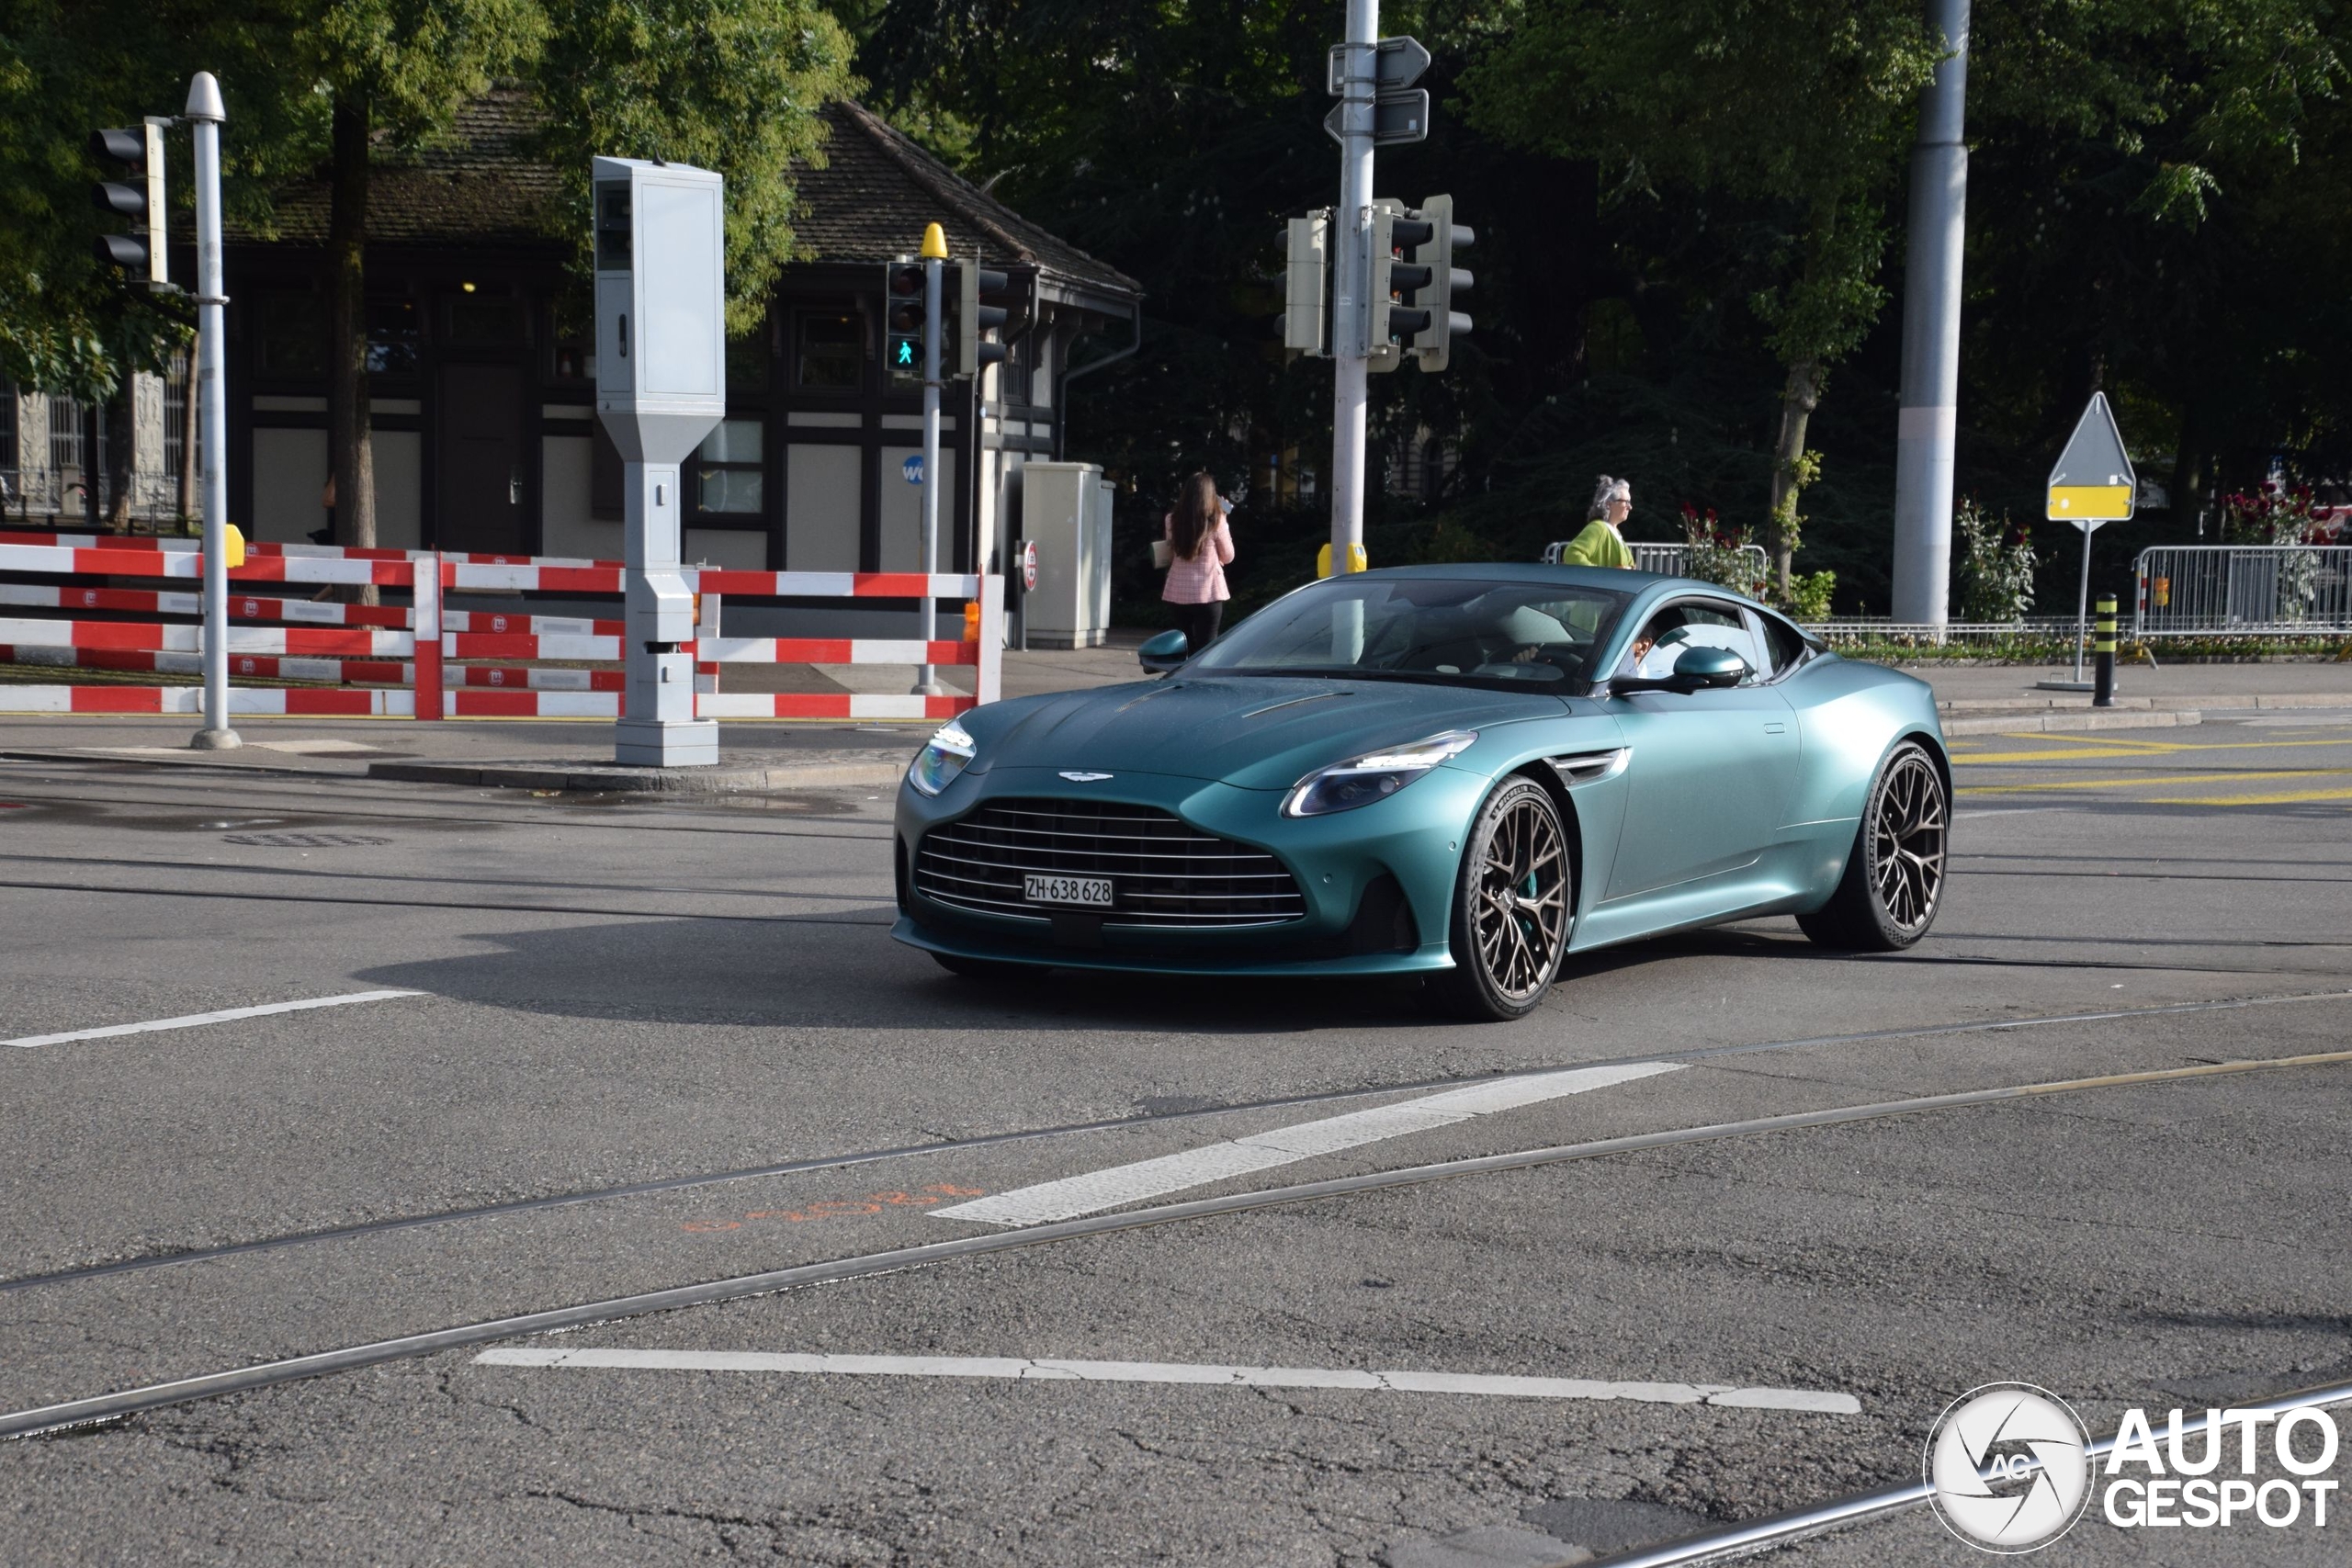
[[1521, 919], [1907, 842]]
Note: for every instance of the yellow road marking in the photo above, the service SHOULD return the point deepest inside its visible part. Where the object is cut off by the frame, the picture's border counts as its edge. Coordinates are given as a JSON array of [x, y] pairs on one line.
[[2138, 748], [2288, 799], [2142, 782]]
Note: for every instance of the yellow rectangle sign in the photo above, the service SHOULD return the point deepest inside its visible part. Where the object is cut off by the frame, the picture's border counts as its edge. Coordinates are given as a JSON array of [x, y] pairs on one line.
[[2099, 502]]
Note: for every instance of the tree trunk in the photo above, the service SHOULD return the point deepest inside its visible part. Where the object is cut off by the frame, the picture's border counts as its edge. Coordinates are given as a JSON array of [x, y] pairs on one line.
[[91, 414], [1799, 397], [120, 413], [350, 458]]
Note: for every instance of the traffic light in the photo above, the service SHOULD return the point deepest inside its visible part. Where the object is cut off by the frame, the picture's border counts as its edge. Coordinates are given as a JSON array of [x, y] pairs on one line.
[[1306, 277], [141, 252], [1394, 229], [976, 286], [903, 320], [1432, 343]]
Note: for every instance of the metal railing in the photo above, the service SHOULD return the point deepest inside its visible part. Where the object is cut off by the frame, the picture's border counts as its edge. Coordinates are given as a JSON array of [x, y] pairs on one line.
[[2231, 590], [1667, 561], [56, 496]]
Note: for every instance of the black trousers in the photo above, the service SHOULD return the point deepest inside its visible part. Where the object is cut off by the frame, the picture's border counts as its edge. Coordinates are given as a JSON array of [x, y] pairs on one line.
[[1198, 622]]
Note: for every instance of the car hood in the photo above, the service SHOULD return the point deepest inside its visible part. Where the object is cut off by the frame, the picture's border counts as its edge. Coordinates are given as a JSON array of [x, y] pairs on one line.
[[1253, 731]]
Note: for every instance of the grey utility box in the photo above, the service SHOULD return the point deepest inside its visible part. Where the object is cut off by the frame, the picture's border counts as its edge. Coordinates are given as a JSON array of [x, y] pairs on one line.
[[1066, 513], [661, 385]]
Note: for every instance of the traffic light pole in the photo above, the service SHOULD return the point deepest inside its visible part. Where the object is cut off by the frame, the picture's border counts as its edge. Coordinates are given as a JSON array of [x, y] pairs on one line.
[[1351, 282], [205, 110], [927, 679], [1928, 422]]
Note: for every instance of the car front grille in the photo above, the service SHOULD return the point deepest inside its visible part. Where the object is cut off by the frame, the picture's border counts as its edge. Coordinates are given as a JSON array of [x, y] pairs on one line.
[[1163, 873]]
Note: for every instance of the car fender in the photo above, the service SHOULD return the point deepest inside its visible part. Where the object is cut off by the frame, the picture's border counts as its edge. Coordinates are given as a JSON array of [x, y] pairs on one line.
[[1579, 759]]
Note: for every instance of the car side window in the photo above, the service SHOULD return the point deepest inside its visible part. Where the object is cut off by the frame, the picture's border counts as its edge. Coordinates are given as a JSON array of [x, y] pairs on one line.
[[1785, 643], [1691, 624]]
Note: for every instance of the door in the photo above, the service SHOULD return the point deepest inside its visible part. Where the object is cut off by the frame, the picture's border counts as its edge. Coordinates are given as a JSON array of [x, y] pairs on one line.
[[1709, 774], [478, 488]]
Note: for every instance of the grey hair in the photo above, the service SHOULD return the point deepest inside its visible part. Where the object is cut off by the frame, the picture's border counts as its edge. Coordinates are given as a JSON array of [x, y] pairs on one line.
[[1604, 491]]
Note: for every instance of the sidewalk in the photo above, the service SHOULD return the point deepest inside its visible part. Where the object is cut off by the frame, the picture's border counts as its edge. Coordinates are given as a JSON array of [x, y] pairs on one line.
[[816, 754]]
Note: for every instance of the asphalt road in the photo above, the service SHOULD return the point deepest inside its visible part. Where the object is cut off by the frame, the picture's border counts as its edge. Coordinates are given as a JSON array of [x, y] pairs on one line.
[[650, 1045]]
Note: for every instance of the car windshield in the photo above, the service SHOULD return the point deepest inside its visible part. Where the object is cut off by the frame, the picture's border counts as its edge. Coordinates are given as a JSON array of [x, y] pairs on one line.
[[1445, 630]]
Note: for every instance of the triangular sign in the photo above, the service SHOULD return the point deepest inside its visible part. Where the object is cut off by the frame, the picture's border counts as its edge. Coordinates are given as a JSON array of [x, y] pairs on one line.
[[2093, 482]]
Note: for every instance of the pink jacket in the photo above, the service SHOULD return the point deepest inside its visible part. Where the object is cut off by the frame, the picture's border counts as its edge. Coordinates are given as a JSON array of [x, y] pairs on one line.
[[1200, 580]]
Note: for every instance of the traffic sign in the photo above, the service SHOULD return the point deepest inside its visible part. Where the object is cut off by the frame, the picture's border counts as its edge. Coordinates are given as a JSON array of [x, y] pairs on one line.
[[913, 469], [2093, 482], [1029, 567]]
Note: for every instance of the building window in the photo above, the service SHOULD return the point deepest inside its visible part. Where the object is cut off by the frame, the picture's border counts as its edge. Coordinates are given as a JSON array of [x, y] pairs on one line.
[[176, 414], [831, 351], [729, 476], [747, 363], [482, 320], [572, 348], [65, 432], [1015, 373], [291, 335], [395, 337]]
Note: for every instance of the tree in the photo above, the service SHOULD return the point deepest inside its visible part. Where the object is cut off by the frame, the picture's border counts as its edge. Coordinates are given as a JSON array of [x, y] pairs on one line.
[[732, 86], [1800, 109]]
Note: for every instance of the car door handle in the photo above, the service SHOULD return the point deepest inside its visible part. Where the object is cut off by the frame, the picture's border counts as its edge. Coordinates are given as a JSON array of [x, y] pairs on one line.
[[1776, 729]]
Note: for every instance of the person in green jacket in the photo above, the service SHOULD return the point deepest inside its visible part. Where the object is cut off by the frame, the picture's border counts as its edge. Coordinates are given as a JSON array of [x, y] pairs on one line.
[[1600, 544]]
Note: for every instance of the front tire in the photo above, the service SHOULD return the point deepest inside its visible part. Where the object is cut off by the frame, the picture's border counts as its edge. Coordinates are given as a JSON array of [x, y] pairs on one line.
[[1512, 908], [1894, 874]]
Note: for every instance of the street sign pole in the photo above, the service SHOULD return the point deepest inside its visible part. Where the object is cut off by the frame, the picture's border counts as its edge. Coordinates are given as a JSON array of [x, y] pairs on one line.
[[934, 253], [205, 109], [1928, 422], [1358, 72], [2092, 483]]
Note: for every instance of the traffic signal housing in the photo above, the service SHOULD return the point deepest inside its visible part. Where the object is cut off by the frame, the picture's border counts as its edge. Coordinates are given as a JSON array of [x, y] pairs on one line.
[[903, 320], [1396, 229], [1306, 280], [983, 304], [140, 251], [1445, 281]]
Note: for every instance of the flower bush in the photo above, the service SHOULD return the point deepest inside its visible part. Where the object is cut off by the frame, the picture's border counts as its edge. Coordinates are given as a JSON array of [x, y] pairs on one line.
[[1996, 566], [2278, 516], [1719, 555]]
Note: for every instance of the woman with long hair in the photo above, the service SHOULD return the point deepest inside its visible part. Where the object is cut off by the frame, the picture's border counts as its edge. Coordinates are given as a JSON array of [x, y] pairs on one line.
[[1200, 547]]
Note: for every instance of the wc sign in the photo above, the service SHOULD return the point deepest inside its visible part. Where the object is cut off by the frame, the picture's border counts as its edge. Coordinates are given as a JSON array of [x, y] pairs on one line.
[[913, 469]]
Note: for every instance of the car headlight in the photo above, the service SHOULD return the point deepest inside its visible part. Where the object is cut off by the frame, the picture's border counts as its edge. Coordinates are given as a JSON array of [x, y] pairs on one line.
[[1375, 776], [945, 754]]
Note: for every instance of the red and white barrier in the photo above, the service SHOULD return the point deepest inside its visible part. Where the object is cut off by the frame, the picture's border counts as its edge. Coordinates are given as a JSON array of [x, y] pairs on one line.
[[387, 644]]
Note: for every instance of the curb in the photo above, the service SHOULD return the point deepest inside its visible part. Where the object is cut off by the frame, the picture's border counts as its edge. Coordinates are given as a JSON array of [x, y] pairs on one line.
[[609, 777], [2082, 705], [2061, 722]]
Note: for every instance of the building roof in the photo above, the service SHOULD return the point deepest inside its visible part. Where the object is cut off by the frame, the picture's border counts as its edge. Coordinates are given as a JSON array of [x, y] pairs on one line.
[[485, 184], [878, 188]]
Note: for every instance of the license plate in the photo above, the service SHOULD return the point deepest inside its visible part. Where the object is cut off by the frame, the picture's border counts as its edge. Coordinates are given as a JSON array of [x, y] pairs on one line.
[[1093, 890]]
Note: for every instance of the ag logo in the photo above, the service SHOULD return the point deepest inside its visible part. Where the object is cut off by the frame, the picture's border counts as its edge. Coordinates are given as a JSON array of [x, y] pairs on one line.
[[1077, 776], [2010, 1467]]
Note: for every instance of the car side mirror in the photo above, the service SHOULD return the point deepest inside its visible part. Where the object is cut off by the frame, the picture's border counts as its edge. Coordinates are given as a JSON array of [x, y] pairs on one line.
[[1163, 653], [1700, 669], [1695, 669]]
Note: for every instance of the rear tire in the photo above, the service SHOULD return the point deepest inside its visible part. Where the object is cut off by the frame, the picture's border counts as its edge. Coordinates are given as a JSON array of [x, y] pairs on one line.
[[985, 969], [1894, 874], [1512, 906]]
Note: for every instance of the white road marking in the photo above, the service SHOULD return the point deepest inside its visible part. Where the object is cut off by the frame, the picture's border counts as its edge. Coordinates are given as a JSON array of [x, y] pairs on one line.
[[1096, 1191], [1032, 1369], [192, 1020]]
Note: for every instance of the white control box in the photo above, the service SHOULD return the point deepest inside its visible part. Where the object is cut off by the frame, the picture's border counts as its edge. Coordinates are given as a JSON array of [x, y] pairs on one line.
[[661, 241]]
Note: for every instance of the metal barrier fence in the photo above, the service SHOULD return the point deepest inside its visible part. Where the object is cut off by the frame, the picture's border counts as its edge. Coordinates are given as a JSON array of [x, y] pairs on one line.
[[1667, 561], [2280, 590], [363, 645]]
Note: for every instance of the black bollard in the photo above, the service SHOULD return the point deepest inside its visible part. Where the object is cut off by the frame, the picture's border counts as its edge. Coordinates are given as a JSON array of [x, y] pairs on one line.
[[2103, 647]]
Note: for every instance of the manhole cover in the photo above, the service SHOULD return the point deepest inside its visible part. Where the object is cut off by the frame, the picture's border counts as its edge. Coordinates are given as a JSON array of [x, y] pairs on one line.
[[302, 841]]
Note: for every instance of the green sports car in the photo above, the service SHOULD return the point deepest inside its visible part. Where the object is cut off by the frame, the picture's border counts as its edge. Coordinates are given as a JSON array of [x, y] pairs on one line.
[[1464, 772]]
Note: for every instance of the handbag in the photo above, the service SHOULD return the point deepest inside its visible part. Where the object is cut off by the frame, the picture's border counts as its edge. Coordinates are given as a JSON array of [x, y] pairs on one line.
[[1163, 555]]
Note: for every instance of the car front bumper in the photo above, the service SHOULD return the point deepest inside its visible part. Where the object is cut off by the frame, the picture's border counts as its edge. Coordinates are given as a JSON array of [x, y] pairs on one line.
[[1377, 882]]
